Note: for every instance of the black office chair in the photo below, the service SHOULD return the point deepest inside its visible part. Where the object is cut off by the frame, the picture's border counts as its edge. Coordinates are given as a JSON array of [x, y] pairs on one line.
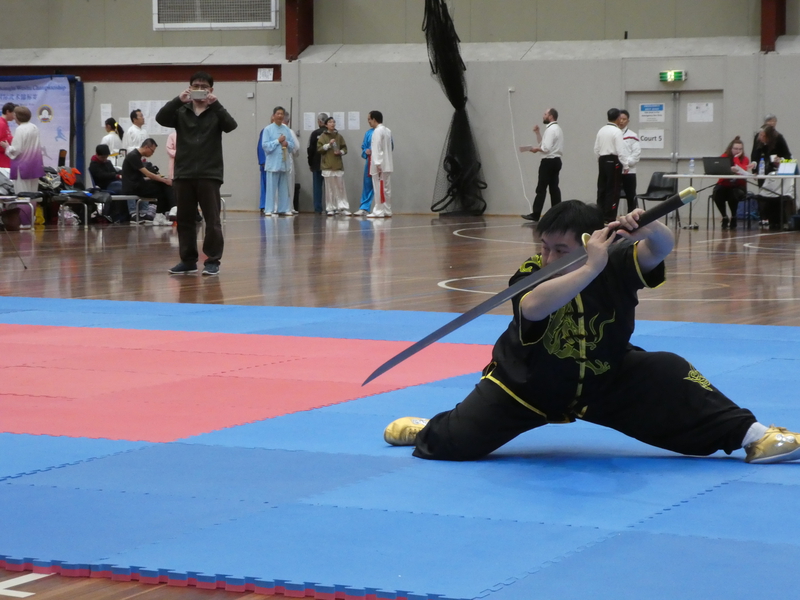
[[658, 190]]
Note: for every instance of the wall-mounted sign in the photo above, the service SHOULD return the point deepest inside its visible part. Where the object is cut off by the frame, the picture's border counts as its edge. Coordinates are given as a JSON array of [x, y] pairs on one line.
[[673, 75], [651, 138], [651, 113]]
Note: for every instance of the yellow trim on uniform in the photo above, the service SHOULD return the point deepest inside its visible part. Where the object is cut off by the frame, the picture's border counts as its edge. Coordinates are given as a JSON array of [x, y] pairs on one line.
[[639, 269], [513, 395]]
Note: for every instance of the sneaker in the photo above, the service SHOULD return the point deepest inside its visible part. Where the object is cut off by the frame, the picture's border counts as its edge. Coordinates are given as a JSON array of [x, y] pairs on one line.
[[403, 432], [360, 213], [295, 212], [777, 445], [161, 219], [530, 217], [346, 213], [266, 214], [330, 213], [211, 269], [287, 214], [373, 216], [182, 269]]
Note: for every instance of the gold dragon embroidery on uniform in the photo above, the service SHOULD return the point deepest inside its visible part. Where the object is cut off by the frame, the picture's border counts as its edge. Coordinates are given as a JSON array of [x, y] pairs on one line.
[[562, 338], [696, 377]]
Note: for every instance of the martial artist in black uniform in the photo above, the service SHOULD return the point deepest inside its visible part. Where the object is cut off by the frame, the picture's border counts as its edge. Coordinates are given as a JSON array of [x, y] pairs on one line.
[[567, 355]]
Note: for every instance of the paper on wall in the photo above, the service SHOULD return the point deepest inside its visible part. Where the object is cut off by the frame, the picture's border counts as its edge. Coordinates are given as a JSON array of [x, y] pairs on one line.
[[700, 112], [106, 112], [354, 120]]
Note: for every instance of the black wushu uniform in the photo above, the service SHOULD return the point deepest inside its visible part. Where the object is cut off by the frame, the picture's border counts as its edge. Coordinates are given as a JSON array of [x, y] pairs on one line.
[[578, 363]]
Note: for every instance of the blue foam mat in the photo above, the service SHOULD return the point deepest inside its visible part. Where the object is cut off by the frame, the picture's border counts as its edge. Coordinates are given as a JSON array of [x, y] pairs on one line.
[[87, 526], [426, 554], [216, 472], [635, 565], [23, 453]]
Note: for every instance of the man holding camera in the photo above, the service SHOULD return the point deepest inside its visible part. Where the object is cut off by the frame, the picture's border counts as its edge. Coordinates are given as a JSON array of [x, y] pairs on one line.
[[199, 120]]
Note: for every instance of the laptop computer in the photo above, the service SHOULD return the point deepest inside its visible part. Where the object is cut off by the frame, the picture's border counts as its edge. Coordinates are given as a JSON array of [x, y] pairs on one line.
[[717, 165]]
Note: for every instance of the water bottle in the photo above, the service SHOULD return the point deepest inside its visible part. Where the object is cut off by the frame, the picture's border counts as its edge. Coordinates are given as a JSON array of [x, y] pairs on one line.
[[61, 215], [691, 166], [762, 167]]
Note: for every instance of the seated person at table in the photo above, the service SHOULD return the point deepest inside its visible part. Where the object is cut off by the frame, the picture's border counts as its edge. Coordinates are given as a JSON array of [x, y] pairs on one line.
[[101, 169], [731, 191], [140, 181]]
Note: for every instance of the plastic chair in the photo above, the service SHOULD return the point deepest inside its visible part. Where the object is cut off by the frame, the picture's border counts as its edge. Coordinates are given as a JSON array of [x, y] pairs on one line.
[[658, 190]]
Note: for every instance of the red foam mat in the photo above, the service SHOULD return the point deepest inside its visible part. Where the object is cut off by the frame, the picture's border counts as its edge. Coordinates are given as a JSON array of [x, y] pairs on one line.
[[159, 386]]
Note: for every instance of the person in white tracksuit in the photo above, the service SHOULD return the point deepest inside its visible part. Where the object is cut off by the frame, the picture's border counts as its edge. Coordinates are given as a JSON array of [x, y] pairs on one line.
[[381, 166]]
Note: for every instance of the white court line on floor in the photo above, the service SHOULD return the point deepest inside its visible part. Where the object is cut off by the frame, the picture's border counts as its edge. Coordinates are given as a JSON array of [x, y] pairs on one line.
[[16, 581]]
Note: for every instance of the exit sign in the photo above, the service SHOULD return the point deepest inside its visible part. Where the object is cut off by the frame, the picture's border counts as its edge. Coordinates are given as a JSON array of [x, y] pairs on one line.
[[673, 76]]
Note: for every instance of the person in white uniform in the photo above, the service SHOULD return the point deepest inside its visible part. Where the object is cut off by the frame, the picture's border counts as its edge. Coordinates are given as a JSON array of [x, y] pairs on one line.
[[612, 163], [631, 139], [136, 135], [381, 166]]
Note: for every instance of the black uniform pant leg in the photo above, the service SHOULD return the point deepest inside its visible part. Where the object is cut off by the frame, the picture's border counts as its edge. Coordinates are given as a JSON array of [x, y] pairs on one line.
[[186, 219], [629, 186], [608, 181], [549, 169], [210, 201], [485, 420], [661, 400]]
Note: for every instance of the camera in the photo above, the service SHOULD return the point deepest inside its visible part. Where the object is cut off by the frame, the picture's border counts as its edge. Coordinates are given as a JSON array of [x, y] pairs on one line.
[[198, 94]]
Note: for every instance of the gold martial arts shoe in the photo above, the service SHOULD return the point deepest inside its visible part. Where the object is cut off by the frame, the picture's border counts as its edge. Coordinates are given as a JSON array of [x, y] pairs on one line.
[[777, 445], [403, 432]]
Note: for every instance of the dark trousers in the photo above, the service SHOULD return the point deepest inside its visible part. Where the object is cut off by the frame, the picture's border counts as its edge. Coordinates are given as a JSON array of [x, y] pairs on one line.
[[656, 397], [549, 168], [163, 193], [608, 182], [191, 193], [730, 195], [629, 187], [318, 183]]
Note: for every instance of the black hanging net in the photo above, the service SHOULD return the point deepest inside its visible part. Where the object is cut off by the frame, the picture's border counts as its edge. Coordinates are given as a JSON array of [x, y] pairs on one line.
[[459, 182]]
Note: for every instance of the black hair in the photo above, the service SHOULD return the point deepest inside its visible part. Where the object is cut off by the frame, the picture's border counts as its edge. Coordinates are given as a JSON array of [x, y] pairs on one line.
[[613, 114], [112, 122], [553, 113], [571, 215], [202, 76], [133, 113], [622, 111], [9, 107], [376, 115], [102, 150], [149, 143], [277, 108]]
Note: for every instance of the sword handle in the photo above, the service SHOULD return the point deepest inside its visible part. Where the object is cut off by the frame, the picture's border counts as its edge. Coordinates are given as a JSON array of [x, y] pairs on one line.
[[674, 202]]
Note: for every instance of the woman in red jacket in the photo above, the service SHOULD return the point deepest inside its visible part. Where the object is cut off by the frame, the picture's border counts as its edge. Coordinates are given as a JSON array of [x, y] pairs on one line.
[[731, 191]]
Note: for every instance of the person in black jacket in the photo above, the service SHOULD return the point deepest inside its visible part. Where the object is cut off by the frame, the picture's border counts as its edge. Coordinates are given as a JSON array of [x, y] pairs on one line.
[[199, 120], [314, 158], [101, 170]]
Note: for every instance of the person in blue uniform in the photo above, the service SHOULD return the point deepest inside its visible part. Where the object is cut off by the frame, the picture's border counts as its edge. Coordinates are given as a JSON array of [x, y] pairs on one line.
[[367, 190]]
